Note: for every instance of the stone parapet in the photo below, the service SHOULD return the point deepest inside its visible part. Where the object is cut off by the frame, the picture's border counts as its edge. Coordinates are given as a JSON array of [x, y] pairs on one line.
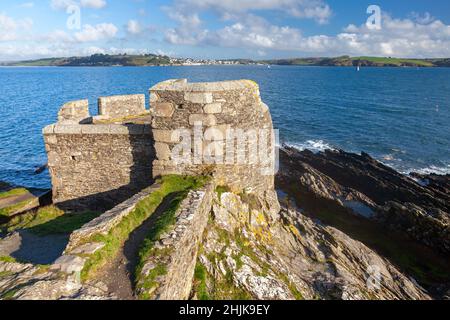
[[100, 129], [121, 106], [74, 112]]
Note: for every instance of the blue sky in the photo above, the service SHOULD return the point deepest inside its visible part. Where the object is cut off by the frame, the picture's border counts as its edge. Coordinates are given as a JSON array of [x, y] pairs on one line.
[[223, 29]]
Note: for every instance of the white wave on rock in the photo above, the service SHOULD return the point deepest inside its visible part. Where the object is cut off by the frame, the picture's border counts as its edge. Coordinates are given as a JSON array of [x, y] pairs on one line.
[[312, 145], [433, 170]]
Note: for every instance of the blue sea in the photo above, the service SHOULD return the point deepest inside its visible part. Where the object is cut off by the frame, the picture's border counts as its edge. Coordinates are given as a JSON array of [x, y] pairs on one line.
[[401, 116]]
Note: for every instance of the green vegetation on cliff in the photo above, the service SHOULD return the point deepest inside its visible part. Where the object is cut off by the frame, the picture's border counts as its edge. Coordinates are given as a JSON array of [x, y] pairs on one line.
[[348, 61], [97, 60], [105, 60]]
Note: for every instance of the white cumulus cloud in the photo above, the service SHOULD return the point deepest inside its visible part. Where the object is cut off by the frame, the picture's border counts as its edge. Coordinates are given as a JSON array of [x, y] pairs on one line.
[[421, 36], [98, 32], [64, 4], [133, 27]]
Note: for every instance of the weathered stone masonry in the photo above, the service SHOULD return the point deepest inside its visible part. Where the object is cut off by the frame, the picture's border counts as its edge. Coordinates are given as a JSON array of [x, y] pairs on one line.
[[98, 165], [218, 106], [109, 157], [117, 153]]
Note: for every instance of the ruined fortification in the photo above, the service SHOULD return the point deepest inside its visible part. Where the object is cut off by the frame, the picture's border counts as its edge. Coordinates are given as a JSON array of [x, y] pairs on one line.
[[101, 160], [224, 236], [222, 130]]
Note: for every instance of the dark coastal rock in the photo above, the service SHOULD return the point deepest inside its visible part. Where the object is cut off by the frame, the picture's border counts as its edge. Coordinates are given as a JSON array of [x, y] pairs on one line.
[[439, 183], [404, 219], [419, 209]]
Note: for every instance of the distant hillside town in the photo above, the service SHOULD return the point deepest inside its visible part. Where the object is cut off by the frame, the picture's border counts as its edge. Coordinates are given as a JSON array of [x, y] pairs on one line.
[[119, 60]]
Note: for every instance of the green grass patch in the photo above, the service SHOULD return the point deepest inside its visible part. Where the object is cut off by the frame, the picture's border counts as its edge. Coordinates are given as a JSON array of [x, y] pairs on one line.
[[8, 259], [49, 220], [162, 224], [209, 287], [4, 274], [13, 193], [144, 209], [200, 277], [150, 282], [65, 224], [20, 206], [9, 295]]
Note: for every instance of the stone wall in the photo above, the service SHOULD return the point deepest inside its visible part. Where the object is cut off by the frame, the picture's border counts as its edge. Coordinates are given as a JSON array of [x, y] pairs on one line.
[[121, 106], [176, 251], [105, 162], [96, 166], [217, 107], [74, 112]]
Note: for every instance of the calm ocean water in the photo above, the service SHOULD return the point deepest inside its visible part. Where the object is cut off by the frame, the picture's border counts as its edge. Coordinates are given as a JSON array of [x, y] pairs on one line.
[[400, 116]]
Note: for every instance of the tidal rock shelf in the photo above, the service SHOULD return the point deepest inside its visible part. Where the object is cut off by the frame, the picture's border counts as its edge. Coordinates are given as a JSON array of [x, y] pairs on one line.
[[400, 218]]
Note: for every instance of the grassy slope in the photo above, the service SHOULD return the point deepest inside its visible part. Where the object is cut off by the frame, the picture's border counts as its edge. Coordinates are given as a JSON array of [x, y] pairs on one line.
[[162, 224], [97, 60], [348, 61], [396, 61], [151, 60]]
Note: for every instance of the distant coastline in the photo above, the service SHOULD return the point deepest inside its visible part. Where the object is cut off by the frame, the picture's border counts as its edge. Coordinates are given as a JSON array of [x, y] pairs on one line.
[[124, 60]]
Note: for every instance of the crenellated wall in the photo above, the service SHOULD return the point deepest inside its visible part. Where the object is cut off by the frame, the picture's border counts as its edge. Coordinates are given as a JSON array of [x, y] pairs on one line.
[[106, 158], [97, 164]]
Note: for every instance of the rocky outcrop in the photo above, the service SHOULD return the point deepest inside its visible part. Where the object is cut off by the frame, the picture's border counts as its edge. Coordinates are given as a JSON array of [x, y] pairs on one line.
[[245, 256], [29, 282], [395, 200]]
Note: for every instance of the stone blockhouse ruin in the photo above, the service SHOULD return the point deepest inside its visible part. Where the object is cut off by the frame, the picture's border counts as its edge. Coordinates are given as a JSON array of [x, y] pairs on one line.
[[102, 160]]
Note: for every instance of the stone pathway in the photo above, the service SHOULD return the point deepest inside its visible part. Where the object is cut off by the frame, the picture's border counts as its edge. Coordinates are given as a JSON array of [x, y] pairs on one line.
[[25, 246], [118, 275]]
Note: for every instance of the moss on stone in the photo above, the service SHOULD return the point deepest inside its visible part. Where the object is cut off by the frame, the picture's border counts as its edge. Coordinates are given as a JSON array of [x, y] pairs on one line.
[[150, 283], [5, 274], [49, 220], [294, 231], [9, 295], [13, 193], [16, 208], [8, 259], [200, 285], [137, 119], [221, 190], [219, 288]]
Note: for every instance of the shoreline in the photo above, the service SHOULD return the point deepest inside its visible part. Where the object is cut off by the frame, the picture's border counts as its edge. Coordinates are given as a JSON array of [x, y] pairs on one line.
[[232, 65]]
